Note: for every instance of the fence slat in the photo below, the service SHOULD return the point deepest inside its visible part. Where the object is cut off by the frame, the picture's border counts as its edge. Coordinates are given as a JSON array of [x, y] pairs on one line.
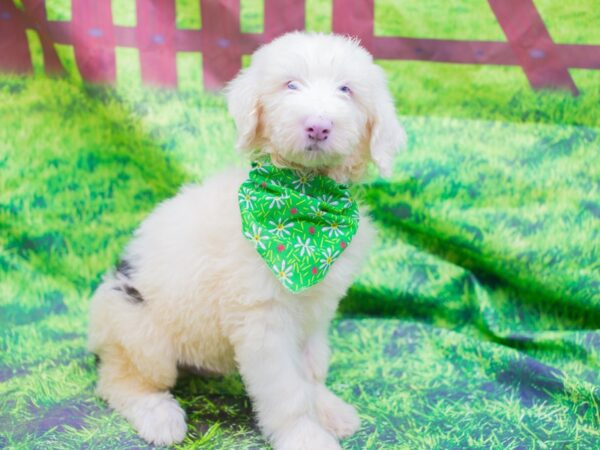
[[37, 19], [155, 33], [92, 34], [580, 56], [14, 50], [282, 16], [530, 41], [221, 55], [355, 18], [440, 50]]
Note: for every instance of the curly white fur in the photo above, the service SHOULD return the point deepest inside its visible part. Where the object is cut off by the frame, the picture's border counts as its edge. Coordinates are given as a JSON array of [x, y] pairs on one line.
[[194, 291]]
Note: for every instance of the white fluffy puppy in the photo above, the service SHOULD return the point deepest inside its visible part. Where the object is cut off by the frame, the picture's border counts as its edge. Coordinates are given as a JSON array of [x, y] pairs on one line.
[[191, 289]]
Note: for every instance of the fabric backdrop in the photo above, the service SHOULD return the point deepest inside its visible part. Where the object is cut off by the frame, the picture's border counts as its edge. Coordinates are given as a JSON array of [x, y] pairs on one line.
[[475, 323]]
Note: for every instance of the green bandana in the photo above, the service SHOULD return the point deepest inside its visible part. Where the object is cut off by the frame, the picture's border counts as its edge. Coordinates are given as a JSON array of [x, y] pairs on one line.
[[299, 222]]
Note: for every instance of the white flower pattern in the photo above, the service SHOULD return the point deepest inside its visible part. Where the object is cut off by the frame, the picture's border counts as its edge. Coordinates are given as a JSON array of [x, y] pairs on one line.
[[283, 272], [334, 229], [245, 196], [304, 247], [325, 198], [280, 228], [348, 200], [277, 200], [259, 167], [329, 256], [303, 180], [256, 236], [317, 212]]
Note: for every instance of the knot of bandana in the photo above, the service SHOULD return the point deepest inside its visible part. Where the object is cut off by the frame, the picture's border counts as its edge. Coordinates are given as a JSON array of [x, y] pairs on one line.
[[299, 222]]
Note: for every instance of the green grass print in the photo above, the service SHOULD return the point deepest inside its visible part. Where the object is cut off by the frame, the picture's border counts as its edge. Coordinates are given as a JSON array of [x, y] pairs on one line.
[[475, 322]]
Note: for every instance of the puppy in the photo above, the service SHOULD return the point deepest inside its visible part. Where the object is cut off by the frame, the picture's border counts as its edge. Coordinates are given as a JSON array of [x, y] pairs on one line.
[[191, 288]]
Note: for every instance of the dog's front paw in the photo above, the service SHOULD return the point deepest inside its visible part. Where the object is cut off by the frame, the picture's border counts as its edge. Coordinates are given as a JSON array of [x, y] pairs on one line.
[[305, 434], [336, 415], [159, 419]]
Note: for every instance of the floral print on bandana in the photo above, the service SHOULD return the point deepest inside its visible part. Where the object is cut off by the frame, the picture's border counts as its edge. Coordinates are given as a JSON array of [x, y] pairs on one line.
[[299, 222]]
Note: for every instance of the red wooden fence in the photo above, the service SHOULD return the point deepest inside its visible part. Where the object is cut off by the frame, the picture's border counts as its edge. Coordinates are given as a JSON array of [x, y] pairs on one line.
[[94, 37]]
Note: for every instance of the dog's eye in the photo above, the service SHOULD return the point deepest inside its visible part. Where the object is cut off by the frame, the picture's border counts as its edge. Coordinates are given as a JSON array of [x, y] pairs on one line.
[[292, 85], [345, 89]]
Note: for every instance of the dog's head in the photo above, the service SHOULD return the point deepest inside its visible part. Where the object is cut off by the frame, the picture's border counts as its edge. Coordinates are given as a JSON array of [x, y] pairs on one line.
[[318, 101]]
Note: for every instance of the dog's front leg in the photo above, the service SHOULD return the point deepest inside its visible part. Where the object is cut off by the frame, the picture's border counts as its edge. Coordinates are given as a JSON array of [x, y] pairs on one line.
[[335, 415], [270, 360]]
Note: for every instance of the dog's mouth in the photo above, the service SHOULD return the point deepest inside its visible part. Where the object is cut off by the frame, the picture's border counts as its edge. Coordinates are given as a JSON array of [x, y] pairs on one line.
[[314, 147]]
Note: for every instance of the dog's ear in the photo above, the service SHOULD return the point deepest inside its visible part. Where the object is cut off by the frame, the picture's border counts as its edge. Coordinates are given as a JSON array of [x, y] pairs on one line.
[[387, 135], [243, 105]]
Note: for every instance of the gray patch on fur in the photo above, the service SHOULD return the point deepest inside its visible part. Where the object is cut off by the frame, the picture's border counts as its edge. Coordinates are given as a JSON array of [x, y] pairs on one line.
[[125, 268], [131, 293]]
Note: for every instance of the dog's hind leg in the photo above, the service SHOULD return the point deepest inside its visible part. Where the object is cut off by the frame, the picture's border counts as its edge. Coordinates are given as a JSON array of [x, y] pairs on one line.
[[137, 364], [143, 399]]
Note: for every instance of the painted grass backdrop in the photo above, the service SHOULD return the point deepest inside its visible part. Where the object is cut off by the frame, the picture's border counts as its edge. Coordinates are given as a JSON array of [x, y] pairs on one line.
[[476, 322]]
